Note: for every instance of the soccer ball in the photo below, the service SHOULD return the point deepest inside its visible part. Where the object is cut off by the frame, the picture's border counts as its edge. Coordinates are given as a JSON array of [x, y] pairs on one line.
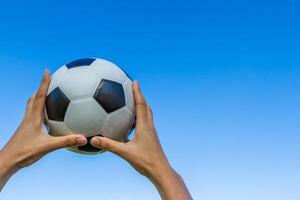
[[93, 97]]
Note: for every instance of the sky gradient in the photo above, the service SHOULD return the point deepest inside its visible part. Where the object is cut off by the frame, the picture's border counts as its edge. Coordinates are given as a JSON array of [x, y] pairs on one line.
[[222, 78]]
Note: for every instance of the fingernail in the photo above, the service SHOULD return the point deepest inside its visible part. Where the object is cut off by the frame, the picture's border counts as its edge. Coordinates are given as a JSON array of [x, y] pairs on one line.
[[80, 140], [96, 141]]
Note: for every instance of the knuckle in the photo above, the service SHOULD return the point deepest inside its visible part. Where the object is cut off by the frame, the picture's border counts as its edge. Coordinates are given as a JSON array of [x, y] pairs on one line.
[[69, 141], [44, 80], [105, 145], [142, 104], [39, 95]]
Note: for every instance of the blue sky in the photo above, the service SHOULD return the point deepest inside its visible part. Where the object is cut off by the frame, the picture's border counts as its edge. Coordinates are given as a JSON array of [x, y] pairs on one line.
[[222, 77]]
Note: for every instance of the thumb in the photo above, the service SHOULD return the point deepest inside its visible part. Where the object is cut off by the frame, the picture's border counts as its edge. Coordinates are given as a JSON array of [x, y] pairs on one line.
[[67, 141], [108, 145]]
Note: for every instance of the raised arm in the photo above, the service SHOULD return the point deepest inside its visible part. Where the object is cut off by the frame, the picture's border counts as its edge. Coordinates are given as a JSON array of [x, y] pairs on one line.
[[30, 142], [145, 153]]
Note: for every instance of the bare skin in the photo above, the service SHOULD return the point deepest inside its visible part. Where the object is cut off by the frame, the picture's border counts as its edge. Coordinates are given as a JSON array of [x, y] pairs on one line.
[[145, 152], [30, 143]]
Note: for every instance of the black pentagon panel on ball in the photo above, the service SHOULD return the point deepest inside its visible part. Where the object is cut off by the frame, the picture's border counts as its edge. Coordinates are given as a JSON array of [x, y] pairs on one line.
[[88, 147], [80, 62], [56, 105], [110, 95]]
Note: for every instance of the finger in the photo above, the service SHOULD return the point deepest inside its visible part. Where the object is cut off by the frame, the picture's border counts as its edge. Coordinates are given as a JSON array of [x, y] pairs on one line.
[[108, 144], [140, 104], [150, 116], [66, 141], [41, 94], [151, 122], [29, 105]]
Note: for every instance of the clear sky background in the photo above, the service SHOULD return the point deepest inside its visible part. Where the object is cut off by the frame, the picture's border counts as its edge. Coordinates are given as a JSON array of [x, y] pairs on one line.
[[222, 77]]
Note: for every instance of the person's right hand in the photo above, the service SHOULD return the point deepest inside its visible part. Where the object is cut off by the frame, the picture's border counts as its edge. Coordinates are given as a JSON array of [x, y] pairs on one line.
[[145, 153], [30, 141]]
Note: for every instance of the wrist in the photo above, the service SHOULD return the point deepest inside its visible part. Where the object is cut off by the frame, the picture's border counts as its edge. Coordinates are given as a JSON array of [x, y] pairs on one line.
[[162, 172], [169, 183]]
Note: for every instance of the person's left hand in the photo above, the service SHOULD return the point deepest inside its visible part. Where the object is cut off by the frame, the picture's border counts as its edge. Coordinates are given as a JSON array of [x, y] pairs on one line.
[[30, 142]]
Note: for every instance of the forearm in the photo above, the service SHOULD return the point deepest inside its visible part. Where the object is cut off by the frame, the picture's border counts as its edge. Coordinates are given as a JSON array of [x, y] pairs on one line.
[[170, 184], [7, 169]]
